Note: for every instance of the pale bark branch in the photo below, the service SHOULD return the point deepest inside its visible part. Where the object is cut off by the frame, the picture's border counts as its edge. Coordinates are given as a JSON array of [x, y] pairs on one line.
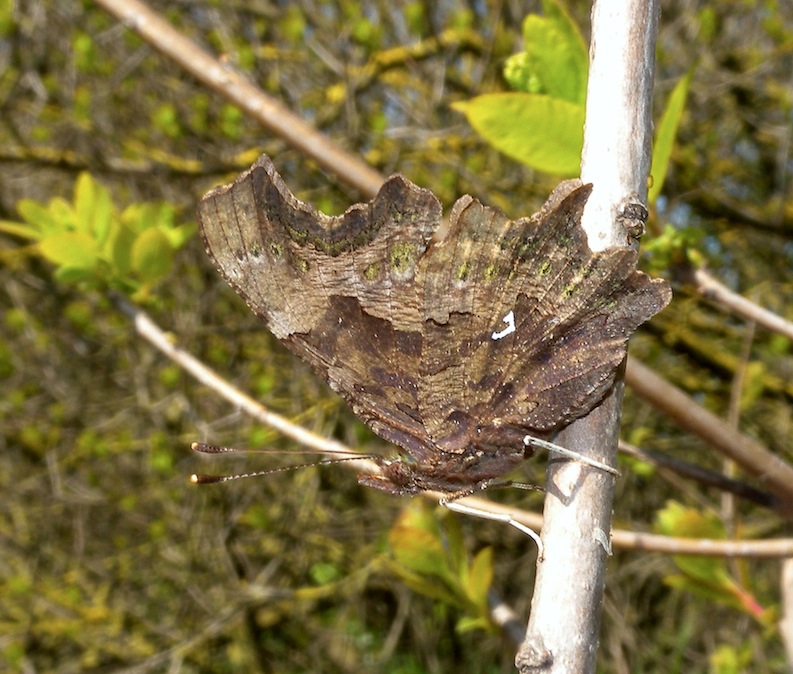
[[562, 634], [714, 290]]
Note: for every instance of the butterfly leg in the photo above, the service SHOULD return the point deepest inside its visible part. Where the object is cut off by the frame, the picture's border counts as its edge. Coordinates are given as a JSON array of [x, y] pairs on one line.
[[506, 518], [530, 441]]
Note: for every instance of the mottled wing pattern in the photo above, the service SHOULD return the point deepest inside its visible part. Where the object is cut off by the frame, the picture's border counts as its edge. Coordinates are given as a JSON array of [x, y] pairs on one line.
[[440, 346], [526, 325], [338, 291]]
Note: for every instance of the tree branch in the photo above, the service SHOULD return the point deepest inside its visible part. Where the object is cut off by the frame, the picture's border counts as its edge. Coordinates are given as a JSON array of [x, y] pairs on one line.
[[562, 634], [625, 540], [247, 96], [714, 290], [775, 474]]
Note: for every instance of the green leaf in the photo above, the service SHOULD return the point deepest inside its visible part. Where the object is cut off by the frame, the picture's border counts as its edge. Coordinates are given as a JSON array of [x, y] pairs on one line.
[[118, 248], [74, 275], [325, 573], [416, 542], [39, 217], [666, 134], [162, 216], [231, 121], [93, 207], [152, 255], [469, 624], [556, 53], [140, 217], [63, 213], [454, 540], [166, 119], [178, 236], [480, 577], [70, 249], [20, 230], [542, 132], [731, 659], [706, 577], [292, 24], [680, 521]]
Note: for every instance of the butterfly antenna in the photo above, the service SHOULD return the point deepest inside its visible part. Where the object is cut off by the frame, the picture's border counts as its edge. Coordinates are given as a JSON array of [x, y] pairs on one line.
[[529, 441], [216, 449], [205, 448]]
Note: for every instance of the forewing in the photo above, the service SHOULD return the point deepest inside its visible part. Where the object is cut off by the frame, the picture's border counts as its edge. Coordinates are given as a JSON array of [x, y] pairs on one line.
[[340, 292]]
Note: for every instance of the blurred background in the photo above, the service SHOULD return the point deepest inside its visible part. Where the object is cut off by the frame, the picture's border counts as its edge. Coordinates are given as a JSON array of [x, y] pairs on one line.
[[111, 561]]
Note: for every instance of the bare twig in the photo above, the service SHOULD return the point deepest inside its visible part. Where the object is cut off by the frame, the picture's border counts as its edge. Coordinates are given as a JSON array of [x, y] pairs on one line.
[[158, 338], [714, 290], [248, 97], [775, 474], [703, 476], [633, 540], [150, 331], [786, 623]]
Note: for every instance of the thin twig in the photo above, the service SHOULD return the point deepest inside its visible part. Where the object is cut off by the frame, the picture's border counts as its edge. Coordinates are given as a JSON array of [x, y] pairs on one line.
[[703, 476], [715, 290], [225, 80], [152, 333], [775, 474], [631, 540], [625, 540], [786, 622]]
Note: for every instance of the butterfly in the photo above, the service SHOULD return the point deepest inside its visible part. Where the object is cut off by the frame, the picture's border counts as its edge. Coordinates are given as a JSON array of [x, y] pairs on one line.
[[455, 347]]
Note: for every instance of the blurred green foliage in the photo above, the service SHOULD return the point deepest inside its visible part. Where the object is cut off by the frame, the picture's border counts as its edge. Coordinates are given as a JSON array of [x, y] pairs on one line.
[[92, 244], [707, 577], [112, 561], [433, 561]]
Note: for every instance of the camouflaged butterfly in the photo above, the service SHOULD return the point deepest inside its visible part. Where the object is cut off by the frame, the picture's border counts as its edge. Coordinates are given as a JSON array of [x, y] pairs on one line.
[[454, 349]]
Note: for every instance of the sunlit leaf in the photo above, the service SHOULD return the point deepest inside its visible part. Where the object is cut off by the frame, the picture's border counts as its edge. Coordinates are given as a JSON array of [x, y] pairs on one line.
[[72, 275], [542, 132], [470, 624], [70, 249], [704, 576], [119, 248], [20, 230], [38, 217], [480, 577], [557, 53], [63, 212], [416, 543], [152, 256], [666, 134], [93, 207]]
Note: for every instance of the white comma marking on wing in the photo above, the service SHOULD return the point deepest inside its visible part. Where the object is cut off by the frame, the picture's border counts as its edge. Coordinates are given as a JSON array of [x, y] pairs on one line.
[[509, 319]]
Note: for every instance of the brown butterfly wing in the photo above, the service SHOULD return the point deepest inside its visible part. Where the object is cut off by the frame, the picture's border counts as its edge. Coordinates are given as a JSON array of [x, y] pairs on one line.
[[338, 291], [413, 333], [570, 311]]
